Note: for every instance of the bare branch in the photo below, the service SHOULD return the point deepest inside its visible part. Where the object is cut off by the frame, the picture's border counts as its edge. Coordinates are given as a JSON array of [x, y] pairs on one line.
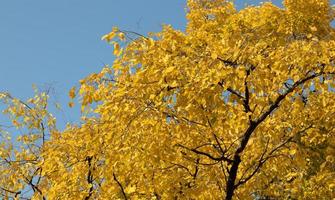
[[121, 187], [235, 93], [194, 150]]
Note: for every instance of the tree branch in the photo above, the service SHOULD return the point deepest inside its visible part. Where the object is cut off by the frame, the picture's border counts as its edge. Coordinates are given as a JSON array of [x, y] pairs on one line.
[[235, 93], [228, 62], [10, 191], [252, 126], [194, 150], [121, 187], [89, 177]]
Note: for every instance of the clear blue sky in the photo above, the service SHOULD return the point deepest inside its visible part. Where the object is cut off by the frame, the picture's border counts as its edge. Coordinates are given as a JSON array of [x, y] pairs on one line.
[[57, 42]]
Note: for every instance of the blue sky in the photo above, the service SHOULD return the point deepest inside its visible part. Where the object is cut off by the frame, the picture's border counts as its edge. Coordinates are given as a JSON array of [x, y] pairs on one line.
[[56, 43]]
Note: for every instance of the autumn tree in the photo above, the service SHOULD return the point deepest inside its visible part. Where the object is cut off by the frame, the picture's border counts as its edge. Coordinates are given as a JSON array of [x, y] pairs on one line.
[[240, 105]]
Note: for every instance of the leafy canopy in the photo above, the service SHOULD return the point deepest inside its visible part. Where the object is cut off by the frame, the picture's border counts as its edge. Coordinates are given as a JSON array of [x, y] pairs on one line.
[[239, 105]]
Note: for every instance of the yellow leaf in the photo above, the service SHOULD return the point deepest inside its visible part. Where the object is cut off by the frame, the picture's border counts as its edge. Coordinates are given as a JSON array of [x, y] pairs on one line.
[[214, 55], [130, 189], [72, 92], [292, 151], [108, 37], [116, 49], [313, 28], [71, 104], [169, 70], [122, 36]]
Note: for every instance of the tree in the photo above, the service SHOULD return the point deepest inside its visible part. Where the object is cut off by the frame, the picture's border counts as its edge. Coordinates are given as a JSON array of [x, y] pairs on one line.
[[239, 105]]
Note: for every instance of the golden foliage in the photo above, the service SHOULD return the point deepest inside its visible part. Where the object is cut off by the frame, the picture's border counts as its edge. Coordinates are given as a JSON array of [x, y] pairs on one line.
[[241, 104]]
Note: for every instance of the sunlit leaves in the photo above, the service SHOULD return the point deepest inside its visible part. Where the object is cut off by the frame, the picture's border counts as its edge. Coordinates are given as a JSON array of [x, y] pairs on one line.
[[176, 110]]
